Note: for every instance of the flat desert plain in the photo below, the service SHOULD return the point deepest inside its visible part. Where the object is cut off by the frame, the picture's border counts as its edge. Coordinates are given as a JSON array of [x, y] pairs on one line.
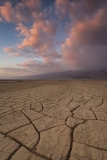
[[53, 120]]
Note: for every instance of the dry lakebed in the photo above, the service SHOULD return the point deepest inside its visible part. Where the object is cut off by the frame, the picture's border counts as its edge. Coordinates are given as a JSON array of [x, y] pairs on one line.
[[53, 120]]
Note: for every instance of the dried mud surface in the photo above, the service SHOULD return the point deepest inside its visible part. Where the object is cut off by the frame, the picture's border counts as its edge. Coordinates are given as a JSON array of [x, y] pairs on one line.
[[53, 120]]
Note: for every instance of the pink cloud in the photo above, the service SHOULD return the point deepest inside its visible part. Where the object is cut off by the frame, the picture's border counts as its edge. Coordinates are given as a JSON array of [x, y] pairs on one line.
[[13, 52], [38, 41], [8, 49], [89, 31], [24, 31], [28, 10], [62, 8], [86, 33], [40, 37], [0, 19], [32, 4], [85, 47], [78, 10], [25, 11], [40, 66], [8, 13]]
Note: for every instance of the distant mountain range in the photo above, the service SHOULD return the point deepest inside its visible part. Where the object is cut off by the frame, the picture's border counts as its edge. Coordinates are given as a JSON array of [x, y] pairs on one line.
[[95, 74]]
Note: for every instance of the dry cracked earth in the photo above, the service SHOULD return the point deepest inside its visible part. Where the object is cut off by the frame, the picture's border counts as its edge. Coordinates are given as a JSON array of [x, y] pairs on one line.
[[53, 120]]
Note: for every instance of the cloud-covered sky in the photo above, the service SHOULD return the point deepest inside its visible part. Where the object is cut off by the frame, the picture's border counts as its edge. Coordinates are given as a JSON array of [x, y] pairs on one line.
[[41, 36]]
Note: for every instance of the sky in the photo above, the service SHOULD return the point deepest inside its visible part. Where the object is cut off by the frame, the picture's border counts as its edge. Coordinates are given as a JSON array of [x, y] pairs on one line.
[[42, 36]]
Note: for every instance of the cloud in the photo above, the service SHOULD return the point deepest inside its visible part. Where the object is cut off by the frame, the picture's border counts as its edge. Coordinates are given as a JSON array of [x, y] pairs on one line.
[[13, 52], [24, 31], [78, 9], [31, 67], [93, 5], [86, 57], [9, 49], [93, 31], [0, 19], [25, 11], [41, 32], [86, 45], [78, 41], [9, 72], [39, 67], [62, 8], [38, 40], [8, 13]]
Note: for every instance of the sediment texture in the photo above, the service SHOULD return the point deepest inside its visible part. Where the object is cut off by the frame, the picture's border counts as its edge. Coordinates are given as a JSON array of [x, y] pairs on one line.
[[53, 120]]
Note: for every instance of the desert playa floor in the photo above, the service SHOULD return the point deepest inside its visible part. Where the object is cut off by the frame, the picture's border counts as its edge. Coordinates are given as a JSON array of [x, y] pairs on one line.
[[53, 120]]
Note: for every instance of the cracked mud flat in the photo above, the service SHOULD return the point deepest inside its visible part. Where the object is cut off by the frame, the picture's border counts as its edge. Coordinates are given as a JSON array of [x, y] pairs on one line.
[[53, 120]]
